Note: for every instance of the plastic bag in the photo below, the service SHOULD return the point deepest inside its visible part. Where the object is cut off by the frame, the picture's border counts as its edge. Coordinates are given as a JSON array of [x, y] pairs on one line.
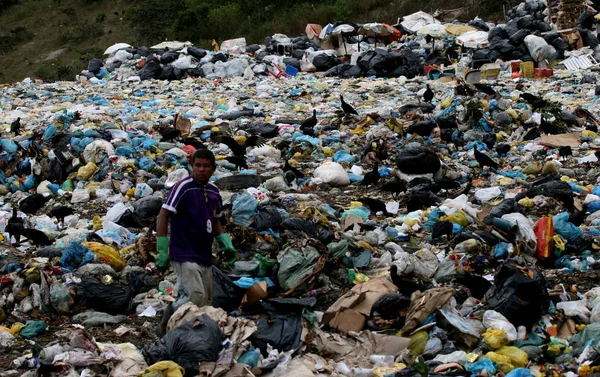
[[517, 357], [244, 209], [76, 255], [112, 299], [226, 295], [60, 298], [482, 364], [333, 174], [486, 194], [294, 264], [282, 332], [519, 294], [575, 309], [495, 338], [563, 227], [32, 329], [106, 253], [80, 195], [496, 321], [143, 190], [188, 345], [538, 48], [544, 231]]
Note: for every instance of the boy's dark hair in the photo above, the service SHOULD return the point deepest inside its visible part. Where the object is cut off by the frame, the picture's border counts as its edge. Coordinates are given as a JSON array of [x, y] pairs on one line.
[[206, 154]]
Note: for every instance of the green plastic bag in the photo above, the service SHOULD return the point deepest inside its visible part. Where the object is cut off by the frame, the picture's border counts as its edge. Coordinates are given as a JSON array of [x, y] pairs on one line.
[[33, 329]]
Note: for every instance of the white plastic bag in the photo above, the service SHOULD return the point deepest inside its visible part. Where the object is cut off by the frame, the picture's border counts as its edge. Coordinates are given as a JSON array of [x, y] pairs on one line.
[[538, 48], [333, 174], [183, 62], [176, 176], [142, 190], [80, 196], [496, 321], [234, 46], [486, 194], [115, 212], [575, 309]]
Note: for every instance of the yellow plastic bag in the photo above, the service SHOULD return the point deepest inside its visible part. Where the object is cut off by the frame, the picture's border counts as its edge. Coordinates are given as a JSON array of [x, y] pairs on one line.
[[503, 362], [513, 113], [446, 102], [16, 329], [590, 134], [85, 172], [495, 338], [110, 255], [459, 218], [418, 341], [517, 356], [167, 368], [327, 151], [526, 202]]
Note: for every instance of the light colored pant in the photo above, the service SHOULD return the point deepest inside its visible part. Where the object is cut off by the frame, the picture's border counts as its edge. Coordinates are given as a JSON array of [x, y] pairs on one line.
[[194, 284]]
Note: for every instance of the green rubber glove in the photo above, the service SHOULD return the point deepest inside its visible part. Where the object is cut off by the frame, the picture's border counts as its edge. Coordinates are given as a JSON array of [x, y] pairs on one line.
[[162, 252], [224, 240]]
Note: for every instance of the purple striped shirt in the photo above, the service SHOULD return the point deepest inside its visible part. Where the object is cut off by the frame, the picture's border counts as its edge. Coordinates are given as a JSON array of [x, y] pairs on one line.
[[194, 210]]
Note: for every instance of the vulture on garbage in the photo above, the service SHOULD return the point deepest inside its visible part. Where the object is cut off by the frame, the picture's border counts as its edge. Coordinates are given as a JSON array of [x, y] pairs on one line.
[[348, 109], [428, 95], [484, 160], [372, 177], [307, 127]]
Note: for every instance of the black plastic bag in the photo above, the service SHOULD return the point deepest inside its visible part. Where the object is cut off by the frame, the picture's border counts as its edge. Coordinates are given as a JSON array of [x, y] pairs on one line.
[[151, 70], [146, 210], [169, 57], [497, 33], [352, 72], [418, 160], [588, 38], [390, 305], [554, 189], [323, 62], [503, 47], [251, 49], [292, 61], [94, 65], [112, 299], [49, 252], [188, 345], [142, 281], [268, 217], [542, 26], [586, 20], [219, 57], [281, 332], [526, 22], [519, 294], [518, 37], [479, 24], [225, 294], [196, 52]]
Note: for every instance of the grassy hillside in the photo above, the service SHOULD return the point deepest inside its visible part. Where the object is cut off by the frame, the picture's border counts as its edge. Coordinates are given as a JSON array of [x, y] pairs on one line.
[[54, 39]]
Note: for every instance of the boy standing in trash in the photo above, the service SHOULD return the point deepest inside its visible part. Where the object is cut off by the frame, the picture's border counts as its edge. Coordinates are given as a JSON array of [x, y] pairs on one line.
[[194, 207]]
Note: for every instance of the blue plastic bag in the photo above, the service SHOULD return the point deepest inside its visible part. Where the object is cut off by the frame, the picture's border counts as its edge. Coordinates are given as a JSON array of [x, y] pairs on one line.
[[501, 250], [519, 372], [343, 156], [244, 209], [481, 365], [76, 255], [125, 151], [566, 229]]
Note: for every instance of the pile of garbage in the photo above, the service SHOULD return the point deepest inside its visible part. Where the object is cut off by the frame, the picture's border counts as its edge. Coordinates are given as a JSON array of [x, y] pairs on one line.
[[384, 227]]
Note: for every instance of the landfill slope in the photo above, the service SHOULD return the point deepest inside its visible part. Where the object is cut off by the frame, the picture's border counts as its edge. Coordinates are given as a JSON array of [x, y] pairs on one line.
[[389, 214]]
